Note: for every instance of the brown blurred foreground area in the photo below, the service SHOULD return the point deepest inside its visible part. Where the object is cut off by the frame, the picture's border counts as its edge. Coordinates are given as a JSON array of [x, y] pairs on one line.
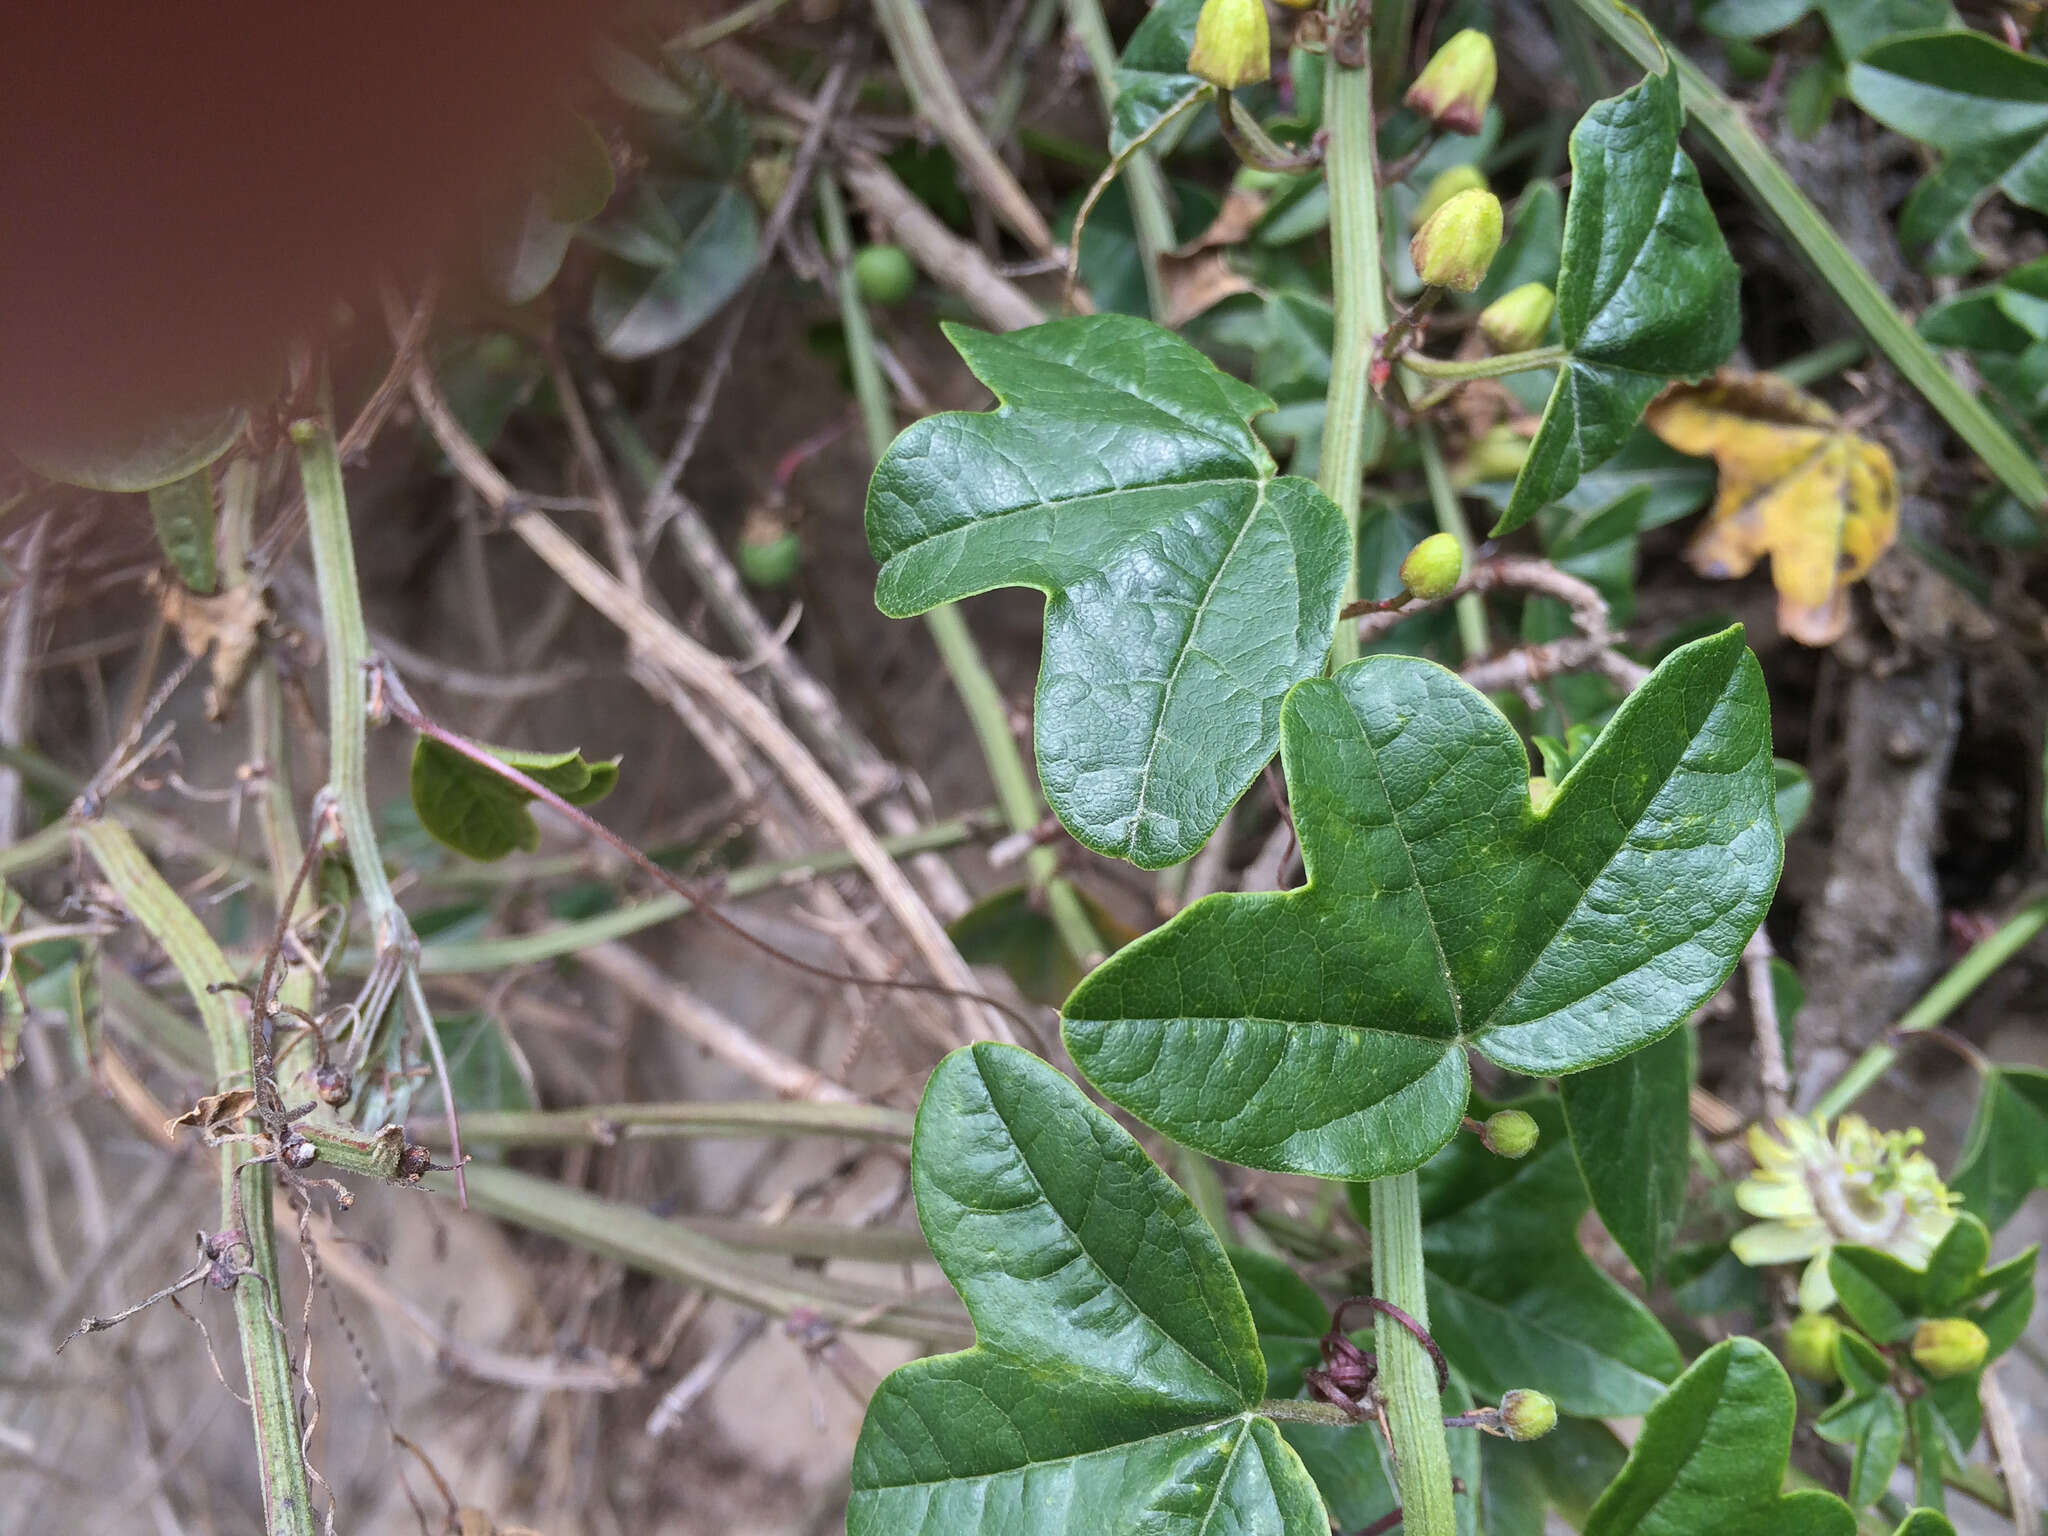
[[189, 185]]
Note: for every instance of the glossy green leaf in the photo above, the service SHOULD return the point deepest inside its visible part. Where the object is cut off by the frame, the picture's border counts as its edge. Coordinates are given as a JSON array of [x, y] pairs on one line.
[[1858, 26], [1646, 291], [1927, 1458], [480, 815], [1116, 1374], [1187, 583], [1925, 1522], [678, 251], [151, 454], [2005, 1154], [1983, 105], [182, 510], [1513, 1300], [1323, 1030], [1632, 1134], [1152, 78], [1712, 1457], [1873, 1426]]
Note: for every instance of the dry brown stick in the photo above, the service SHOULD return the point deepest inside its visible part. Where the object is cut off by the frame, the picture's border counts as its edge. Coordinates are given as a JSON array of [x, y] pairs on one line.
[[1528, 665], [814, 713], [938, 100], [1509, 573], [450, 1351], [1774, 1075], [950, 261], [703, 671], [698, 668], [2010, 1446]]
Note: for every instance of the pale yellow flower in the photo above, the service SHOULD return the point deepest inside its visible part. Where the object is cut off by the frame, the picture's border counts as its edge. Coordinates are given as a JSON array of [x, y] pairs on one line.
[[1869, 1187]]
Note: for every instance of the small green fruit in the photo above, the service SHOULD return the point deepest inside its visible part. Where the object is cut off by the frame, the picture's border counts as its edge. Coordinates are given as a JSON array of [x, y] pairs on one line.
[[1527, 1415], [1233, 43], [1810, 1347], [884, 274], [1433, 567], [1519, 319], [1456, 86], [1444, 186], [1458, 242], [769, 552], [1510, 1133], [1949, 1346]]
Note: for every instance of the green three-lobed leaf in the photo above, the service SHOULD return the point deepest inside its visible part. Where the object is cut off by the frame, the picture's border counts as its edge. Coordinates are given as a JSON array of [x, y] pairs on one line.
[[1187, 583], [1116, 1377], [1323, 1030], [1646, 290]]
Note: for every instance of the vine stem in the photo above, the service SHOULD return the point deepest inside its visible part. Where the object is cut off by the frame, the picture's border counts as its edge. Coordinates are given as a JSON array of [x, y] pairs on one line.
[[348, 781], [1016, 786], [244, 1188], [1422, 1460]]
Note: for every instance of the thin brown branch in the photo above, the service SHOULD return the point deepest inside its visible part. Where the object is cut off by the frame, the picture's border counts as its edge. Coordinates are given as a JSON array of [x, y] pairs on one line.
[[947, 259], [1528, 665], [1773, 1072]]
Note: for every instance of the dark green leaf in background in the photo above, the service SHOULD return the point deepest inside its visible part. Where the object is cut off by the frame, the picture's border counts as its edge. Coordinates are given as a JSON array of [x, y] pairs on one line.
[[1513, 1300], [1646, 291], [151, 454], [678, 251], [2005, 1153], [1982, 104], [1187, 583], [1152, 77], [1116, 1377], [1712, 1457], [1323, 1030], [1873, 1426], [480, 815], [1632, 1133]]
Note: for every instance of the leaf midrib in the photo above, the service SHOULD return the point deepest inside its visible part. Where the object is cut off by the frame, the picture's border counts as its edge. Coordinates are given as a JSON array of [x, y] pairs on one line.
[[1180, 660], [1231, 1388]]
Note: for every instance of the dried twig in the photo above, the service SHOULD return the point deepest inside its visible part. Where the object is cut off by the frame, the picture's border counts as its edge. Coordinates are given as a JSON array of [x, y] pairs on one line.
[[950, 261], [710, 676], [1774, 1076]]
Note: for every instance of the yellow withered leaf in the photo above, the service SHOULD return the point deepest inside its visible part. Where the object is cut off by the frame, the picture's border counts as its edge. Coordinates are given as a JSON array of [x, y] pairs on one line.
[[1795, 484]]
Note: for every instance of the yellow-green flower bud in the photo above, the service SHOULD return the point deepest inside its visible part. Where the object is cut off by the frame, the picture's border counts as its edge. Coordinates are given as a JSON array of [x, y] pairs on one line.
[[1949, 1346], [770, 551], [1456, 86], [1497, 455], [1233, 43], [1526, 1415], [1458, 242], [1433, 567], [1444, 186], [1519, 319], [1810, 1347], [1510, 1133], [1541, 793]]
